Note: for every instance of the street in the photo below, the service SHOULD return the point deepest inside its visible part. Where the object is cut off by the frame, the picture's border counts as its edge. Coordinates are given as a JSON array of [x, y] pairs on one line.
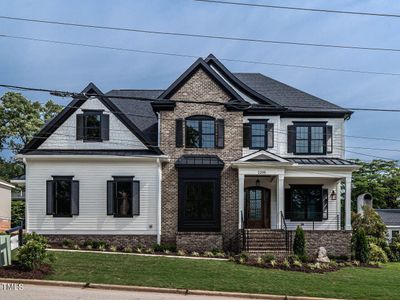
[[37, 292]]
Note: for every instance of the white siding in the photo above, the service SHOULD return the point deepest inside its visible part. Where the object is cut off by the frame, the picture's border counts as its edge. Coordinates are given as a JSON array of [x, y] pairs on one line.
[[280, 135], [92, 175], [65, 136]]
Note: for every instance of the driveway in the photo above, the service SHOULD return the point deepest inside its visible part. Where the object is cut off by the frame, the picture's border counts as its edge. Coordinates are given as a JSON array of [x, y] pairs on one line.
[[38, 292]]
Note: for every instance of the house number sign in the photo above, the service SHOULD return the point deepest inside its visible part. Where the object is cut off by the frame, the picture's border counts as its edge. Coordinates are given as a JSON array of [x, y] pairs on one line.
[[260, 172]]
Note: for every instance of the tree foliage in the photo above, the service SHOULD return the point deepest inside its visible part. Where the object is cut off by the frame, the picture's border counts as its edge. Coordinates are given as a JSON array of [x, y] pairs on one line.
[[21, 118], [361, 247], [381, 179], [299, 243]]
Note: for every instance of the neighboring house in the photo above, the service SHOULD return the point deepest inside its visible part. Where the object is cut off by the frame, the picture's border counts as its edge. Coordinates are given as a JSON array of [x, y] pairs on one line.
[[19, 192], [5, 205], [391, 218], [264, 158]]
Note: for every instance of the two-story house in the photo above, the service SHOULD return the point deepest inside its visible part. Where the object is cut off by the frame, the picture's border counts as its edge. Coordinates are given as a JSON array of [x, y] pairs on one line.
[[217, 160]]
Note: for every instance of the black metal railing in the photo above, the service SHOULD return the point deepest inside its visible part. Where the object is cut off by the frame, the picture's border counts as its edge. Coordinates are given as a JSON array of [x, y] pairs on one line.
[[244, 234], [19, 229], [287, 233]]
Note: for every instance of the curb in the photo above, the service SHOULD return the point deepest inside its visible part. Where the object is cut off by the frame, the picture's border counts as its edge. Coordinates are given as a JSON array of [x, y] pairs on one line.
[[133, 288], [137, 254]]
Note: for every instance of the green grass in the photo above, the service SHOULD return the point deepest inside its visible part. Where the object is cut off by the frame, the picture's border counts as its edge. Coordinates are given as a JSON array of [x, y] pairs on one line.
[[355, 283]]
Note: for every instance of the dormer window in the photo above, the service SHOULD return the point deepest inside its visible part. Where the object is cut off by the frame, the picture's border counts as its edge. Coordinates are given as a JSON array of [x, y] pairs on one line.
[[92, 126]]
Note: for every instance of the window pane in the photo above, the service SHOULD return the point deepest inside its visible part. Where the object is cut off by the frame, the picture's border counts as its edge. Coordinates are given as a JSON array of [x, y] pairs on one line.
[[255, 203], [317, 133], [302, 146], [257, 129], [63, 197], [92, 126], [207, 127], [306, 204], [317, 146], [314, 204], [199, 200], [124, 198], [301, 133], [192, 133], [298, 204], [208, 141], [93, 120]]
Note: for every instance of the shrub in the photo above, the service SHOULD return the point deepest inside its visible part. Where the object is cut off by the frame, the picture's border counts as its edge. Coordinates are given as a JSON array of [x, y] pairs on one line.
[[128, 249], [286, 263], [33, 254], [361, 246], [76, 247], [17, 212], [268, 258], [297, 263], [299, 243], [395, 249], [66, 243], [208, 254], [181, 252], [376, 253], [113, 248], [88, 243], [163, 247], [149, 250], [194, 253], [260, 260]]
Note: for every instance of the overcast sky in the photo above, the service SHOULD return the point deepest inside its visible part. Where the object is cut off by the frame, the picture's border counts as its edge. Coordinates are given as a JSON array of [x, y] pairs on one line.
[[36, 64]]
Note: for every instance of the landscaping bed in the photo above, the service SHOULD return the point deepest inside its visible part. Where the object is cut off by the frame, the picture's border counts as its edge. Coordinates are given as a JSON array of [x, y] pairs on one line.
[[17, 271]]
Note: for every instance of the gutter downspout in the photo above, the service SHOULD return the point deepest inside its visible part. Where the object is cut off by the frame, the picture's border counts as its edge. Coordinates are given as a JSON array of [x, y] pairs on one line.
[[159, 178], [26, 221]]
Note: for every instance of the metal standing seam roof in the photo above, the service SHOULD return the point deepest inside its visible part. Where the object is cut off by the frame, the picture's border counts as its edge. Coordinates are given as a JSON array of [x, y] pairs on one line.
[[391, 217], [320, 161], [199, 161]]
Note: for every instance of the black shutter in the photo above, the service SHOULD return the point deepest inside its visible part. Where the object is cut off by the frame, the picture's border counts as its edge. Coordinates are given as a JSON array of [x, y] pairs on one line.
[[75, 198], [79, 126], [325, 202], [288, 204], [49, 197], [179, 133], [136, 198], [105, 127], [329, 139], [110, 197], [246, 135], [291, 141], [270, 137], [220, 132]]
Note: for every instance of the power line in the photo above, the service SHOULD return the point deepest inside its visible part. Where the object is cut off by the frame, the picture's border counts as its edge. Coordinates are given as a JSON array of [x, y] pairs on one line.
[[207, 36], [213, 103], [310, 67], [371, 14]]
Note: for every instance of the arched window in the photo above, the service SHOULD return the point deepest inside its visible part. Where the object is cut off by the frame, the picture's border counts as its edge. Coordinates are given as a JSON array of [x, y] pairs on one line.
[[200, 132]]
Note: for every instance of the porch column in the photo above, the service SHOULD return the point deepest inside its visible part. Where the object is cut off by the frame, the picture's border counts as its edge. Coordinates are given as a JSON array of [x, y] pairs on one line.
[[280, 199], [348, 204], [241, 200], [339, 204]]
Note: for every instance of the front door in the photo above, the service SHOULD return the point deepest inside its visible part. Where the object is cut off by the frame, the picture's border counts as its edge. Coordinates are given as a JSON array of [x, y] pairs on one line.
[[257, 207]]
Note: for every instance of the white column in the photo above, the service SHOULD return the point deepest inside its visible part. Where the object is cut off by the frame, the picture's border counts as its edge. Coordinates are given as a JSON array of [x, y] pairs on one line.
[[241, 200], [348, 204], [280, 205], [338, 202]]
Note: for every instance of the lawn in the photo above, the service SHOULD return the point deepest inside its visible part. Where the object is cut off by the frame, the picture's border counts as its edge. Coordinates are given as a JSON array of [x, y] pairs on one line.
[[355, 283]]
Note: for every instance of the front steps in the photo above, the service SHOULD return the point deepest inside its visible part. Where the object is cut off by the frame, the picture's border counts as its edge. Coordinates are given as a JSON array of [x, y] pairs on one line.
[[265, 241]]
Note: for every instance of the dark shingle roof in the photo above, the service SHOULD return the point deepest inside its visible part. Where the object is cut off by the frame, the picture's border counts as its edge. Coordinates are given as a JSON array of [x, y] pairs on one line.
[[139, 112], [204, 161], [286, 95], [321, 161], [391, 217]]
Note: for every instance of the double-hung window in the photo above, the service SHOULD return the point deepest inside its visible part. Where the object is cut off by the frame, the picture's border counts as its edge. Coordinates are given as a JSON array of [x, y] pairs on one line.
[[123, 197], [200, 132], [258, 134], [310, 139], [92, 126], [62, 195]]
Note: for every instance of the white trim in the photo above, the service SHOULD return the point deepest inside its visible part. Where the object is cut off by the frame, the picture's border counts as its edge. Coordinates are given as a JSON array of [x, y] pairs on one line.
[[18, 181], [94, 156], [5, 184], [159, 175], [263, 152]]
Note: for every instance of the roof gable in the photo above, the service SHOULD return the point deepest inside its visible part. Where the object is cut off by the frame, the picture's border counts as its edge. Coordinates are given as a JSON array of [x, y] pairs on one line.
[[90, 91], [263, 155], [199, 64]]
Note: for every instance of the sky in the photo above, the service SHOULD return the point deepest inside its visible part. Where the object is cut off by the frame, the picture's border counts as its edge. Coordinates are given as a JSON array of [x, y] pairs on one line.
[[51, 66]]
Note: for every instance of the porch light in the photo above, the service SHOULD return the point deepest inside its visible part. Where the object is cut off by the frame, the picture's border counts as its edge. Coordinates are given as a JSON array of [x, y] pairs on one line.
[[333, 195], [258, 182]]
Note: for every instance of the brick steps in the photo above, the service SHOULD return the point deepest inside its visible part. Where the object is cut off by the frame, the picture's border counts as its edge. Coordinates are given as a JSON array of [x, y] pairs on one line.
[[266, 241]]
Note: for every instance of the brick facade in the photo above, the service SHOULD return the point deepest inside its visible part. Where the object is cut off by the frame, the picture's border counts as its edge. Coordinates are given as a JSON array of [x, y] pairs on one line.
[[336, 242], [199, 241], [200, 87], [115, 240]]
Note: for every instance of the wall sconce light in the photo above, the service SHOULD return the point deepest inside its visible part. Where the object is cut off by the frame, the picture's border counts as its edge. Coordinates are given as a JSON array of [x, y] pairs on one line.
[[258, 182], [333, 195]]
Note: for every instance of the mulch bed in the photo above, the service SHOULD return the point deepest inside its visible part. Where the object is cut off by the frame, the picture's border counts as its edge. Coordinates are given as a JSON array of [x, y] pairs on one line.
[[16, 271]]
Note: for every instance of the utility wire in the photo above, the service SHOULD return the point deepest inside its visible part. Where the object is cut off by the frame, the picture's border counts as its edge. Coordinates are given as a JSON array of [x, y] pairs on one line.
[[371, 14], [213, 103], [207, 36], [310, 67]]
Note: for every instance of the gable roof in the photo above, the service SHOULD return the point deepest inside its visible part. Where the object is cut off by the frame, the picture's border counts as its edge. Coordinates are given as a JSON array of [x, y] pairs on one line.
[[199, 64], [391, 217], [287, 96], [90, 91]]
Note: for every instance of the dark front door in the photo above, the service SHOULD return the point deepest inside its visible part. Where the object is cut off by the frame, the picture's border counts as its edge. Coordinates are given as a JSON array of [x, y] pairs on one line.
[[257, 207]]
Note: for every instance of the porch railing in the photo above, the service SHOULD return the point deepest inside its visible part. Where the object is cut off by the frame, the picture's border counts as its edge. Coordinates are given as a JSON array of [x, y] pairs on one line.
[[244, 234], [287, 233]]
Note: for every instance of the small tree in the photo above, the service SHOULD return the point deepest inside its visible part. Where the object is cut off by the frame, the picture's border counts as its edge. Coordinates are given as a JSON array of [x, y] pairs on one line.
[[361, 247], [299, 243]]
